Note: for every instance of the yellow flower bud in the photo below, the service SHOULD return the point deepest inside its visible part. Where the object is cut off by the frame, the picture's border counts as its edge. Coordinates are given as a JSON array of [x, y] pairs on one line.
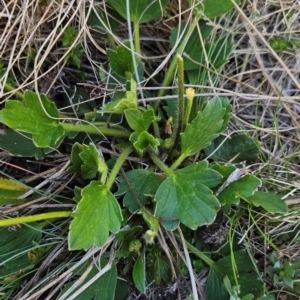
[[149, 237], [190, 93]]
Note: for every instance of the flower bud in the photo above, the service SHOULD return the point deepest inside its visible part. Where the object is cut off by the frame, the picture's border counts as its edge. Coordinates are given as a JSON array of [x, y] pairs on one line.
[[190, 93], [149, 237]]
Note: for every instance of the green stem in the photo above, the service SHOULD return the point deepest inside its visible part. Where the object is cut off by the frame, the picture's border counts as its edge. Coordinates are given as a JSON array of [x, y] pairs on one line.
[[178, 162], [108, 125], [137, 45], [33, 218], [10, 88], [159, 163], [114, 172], [97, 130], [180, 74], [171, 71]]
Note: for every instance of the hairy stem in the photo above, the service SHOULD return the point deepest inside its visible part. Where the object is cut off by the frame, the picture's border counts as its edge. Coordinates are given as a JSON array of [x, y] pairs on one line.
[[180, 74], [171, 71]]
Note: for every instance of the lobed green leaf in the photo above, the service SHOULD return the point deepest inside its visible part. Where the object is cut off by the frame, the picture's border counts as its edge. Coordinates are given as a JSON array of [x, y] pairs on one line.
[[91, 159], [96, 215], [139, 120], [200, 174], [120, 60], [35, 117], [204, 128], [243, 187], [183, 197], [87, 162], [144, 139], [120, 105]]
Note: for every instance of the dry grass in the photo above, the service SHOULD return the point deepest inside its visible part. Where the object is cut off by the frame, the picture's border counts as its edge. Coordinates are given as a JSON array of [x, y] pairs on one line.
[[262, 85]]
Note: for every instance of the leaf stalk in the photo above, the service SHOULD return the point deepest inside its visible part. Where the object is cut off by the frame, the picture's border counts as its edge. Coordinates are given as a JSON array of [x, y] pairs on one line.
[[137, 45], [178, 162], [114, 172], [10, 88], [159, 163], [94, 129]]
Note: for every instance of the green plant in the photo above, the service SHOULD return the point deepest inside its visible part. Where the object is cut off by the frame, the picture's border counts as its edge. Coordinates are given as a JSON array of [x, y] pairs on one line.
[[280, 44], [284, 272], [175, 190], [74, 52], [187, 193]]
